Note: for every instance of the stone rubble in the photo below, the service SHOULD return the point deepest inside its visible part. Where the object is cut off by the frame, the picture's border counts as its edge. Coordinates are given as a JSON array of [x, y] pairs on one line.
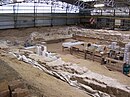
[[94, 84]]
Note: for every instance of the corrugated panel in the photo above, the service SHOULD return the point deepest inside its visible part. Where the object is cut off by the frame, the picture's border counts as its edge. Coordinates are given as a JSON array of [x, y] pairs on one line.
[[25, 23], [27, 20], [43, 22]]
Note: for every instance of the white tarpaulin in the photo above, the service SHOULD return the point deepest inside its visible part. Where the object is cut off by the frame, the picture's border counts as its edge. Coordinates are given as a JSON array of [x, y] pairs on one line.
[[70, 44]]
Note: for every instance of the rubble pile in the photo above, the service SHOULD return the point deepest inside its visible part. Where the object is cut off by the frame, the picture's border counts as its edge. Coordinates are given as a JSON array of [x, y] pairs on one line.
[[53, 34], [108, 35], [69, 32], [94, 84], [3, 44]]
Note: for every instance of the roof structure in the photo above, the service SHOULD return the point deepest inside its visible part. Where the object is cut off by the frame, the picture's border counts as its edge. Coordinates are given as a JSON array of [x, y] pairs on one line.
[[81, 3], [107, 2]]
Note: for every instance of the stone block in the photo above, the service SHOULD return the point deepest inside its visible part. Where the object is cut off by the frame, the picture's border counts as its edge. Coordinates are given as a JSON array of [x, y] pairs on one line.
[[31, 96], [15, 84], [4, 89], [20, 93], [5, 93], [4, 86]]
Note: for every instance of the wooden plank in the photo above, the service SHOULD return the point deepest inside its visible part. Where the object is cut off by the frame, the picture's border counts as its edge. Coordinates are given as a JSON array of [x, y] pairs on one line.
[[113, 64], [117, 61], [79, 47]]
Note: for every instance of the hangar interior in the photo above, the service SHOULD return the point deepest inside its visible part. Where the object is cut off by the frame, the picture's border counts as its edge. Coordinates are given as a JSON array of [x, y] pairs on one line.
[[64, 48]]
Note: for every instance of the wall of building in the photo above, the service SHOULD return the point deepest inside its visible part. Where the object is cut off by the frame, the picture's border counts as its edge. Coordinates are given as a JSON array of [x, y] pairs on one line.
[[32, 20]]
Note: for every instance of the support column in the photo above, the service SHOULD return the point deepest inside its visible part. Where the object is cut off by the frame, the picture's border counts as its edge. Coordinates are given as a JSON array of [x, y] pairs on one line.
[[66, 14], [14, 15], [114, 20], [51, 13], [34, 14]]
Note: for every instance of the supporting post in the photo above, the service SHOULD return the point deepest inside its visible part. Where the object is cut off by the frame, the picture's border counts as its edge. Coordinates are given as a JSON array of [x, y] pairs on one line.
[[110, 3], [34, 14], [14, 15], [129, 12], [51, 13], [114, 20], [66, 14], [101, 12]]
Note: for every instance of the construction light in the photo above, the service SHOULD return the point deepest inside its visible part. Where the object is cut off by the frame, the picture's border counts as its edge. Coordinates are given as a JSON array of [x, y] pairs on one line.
[[99, 5], [87, 0], [18, 0]]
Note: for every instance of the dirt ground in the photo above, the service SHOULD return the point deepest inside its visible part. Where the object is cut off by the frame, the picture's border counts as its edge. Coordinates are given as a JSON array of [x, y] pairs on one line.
[[8, 74], [48, 85]]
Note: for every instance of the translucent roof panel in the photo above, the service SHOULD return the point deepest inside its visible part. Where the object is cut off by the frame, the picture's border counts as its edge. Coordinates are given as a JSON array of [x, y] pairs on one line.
[[44, 7], [87, 0]]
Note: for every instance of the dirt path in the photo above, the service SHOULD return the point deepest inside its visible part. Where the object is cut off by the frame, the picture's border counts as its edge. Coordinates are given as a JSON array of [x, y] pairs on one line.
[[49, 85]]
